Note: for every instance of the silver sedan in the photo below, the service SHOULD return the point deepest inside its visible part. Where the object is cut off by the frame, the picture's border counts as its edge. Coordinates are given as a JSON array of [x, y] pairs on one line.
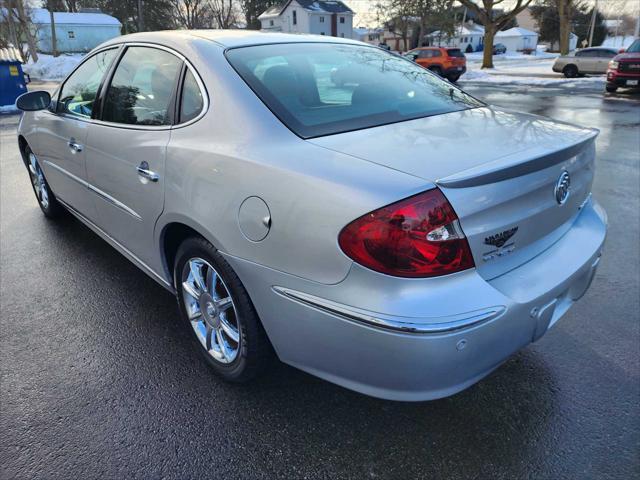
[[388, 232]]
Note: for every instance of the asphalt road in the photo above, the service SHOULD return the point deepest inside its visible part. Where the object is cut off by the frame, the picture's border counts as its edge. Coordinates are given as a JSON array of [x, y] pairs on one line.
[[99, 379]]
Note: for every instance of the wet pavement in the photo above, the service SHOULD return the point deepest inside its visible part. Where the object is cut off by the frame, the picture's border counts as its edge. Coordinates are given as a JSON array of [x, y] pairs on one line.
[[99, 379]]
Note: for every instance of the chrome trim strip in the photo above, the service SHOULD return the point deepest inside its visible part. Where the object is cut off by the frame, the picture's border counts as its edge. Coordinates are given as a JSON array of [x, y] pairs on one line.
[[118, 246], [67, 173], [534, 164], [115, 202], [417, 325]]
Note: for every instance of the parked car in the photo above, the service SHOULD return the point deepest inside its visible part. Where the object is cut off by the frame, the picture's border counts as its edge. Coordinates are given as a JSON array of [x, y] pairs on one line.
[[402, 239], [586, 61], [499, 48], [449, 63], [624, 69]]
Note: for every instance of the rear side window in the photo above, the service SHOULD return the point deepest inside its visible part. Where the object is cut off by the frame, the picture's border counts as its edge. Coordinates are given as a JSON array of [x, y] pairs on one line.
[[324, 88], [192, 102], [141, 91], [425, 53], [455, 52], [586, 53], [436, 53], [607, 53], [81, 88]]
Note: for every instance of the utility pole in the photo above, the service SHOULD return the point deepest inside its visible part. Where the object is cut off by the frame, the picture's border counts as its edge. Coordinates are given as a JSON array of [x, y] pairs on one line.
[[593, 23], [140, 16], [54, 43]]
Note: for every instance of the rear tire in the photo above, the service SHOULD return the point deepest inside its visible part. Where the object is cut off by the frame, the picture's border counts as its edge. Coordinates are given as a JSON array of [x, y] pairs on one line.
[[218, 312], [47, 201], [436, 70], [454, 78], [610, 88], [570, 71]]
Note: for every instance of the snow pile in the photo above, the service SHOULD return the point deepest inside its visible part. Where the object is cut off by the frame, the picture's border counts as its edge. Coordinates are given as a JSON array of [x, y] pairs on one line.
[[618, 42], [49, 67], [495, 76], [8, 109]]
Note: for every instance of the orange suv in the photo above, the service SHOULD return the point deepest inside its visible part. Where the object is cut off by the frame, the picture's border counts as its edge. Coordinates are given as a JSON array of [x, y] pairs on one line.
[[449, 63]]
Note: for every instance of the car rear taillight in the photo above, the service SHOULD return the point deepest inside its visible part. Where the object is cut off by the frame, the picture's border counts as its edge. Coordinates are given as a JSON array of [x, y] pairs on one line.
[[416, 237]]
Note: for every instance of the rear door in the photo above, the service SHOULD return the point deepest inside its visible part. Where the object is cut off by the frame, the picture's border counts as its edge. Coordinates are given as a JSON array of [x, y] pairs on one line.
[[62, 133], [126, 149], [587, 61]]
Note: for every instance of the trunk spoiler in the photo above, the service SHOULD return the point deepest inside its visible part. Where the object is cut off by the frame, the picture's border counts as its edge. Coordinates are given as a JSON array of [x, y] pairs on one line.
[[512, 166]]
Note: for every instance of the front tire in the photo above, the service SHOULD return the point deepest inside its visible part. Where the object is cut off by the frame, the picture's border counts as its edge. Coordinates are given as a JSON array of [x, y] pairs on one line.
[[610, 88], [218, 312], [46, 199], [436, 70]]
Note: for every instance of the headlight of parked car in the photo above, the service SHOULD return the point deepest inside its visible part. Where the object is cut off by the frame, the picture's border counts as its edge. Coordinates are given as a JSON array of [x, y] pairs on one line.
[[613, 65]]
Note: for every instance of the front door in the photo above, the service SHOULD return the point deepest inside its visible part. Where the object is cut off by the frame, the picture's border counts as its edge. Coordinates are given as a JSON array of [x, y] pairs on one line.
[[62, 133], [126, 149]]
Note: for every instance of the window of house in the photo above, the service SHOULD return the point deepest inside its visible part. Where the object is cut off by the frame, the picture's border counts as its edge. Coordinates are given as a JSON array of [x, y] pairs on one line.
[[295, 17], [71, 34], [191, 102], [81, 88], [141, 91], [321, 33], [321, 19], [271, 23], [341, 19]]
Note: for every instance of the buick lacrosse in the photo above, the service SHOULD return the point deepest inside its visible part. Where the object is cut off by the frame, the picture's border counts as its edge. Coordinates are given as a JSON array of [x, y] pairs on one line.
[[386, 232]]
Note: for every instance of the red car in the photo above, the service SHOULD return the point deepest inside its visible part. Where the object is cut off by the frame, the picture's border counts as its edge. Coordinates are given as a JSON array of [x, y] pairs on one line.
[[624, 69]]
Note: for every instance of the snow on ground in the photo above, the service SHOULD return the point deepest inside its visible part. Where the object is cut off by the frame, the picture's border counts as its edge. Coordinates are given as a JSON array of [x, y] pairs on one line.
[[49, 67], [618, 42], [518, 68], [8, 109]]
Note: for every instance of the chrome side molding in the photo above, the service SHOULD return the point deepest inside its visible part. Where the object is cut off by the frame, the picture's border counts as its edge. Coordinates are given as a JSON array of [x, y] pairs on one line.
[[417, 325]]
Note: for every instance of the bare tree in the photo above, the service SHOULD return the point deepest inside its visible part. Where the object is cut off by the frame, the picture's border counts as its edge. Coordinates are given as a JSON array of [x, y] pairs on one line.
[[192, 14], [493, 22], [19, 27], [564, 14], [224, 13], [54, 41]]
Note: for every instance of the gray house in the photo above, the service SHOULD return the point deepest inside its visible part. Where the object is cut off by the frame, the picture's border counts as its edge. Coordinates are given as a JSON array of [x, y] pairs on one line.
[[75, 32], [309, 16]]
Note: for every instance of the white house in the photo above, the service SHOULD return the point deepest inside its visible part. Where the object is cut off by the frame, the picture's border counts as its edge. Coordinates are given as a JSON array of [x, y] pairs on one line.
[[517, 39], [75, 32], [372, 36], [467, 35], [309, 16]]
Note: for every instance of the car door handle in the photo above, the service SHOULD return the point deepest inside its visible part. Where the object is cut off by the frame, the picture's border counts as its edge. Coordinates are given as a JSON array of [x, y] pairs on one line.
[[144, 172], [75, 147]]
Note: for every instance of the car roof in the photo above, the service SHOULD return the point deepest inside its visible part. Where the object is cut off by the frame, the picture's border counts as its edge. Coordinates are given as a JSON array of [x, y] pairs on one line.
[[227, 38]]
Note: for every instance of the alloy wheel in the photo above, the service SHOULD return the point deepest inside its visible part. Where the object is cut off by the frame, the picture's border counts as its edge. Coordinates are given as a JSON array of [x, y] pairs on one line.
[[38, 181], [211, 310]]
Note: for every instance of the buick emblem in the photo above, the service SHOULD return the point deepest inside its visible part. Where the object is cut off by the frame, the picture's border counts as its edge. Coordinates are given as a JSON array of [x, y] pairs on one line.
[[563, 187]]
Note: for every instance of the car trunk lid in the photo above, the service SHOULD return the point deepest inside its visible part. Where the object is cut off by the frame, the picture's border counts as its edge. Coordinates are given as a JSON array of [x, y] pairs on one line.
[[499, 170]]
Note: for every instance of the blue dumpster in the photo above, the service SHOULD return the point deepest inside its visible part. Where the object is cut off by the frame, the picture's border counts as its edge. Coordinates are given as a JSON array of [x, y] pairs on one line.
[[12, 78]]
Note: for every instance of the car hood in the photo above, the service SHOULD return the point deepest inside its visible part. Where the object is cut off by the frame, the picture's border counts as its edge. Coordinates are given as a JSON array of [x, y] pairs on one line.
[[458, 144], [627, 56]]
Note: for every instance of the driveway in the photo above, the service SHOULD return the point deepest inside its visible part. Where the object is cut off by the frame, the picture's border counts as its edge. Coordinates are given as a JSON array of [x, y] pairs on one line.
[[99, 379]]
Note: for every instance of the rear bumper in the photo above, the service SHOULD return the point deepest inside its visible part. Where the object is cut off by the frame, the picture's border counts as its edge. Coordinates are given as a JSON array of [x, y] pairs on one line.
[[421, 339]]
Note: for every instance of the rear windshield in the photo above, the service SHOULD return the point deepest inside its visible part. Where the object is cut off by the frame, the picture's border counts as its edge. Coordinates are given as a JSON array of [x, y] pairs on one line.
[[320, 89], [455, 52]]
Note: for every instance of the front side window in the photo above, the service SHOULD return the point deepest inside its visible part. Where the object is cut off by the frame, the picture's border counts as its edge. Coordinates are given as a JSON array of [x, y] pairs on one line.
[[192, 102], [322, 88], [141, 91], [607, 53], [81, 88]]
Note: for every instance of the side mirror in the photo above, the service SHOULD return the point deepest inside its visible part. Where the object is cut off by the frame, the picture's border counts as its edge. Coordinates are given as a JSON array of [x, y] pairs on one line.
[[621, 50], [32, 101]]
